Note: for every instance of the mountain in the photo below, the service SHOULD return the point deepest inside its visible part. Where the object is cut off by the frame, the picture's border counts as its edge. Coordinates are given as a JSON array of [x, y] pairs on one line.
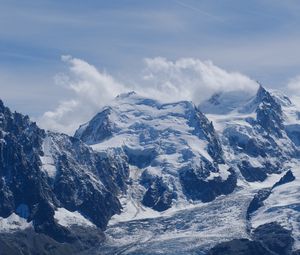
[[255, 137], [51, 183], [149, 177], [173, 150], [250, 132], [260, 137]]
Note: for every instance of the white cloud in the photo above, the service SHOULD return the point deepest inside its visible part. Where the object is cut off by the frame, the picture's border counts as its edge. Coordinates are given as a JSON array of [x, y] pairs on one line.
[[184, 79], [293, 90], [92, 89], [294, 86], [191, 79]]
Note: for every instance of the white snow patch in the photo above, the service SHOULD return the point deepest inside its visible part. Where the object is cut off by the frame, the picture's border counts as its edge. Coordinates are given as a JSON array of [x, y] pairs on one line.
[[66, 218], [13, 223], [48, 165]]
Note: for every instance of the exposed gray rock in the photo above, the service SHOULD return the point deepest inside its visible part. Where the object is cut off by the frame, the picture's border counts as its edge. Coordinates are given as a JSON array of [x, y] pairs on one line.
[[84, 181]]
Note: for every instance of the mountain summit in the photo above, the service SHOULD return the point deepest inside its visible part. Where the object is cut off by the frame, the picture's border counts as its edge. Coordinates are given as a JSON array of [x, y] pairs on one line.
[[172, 148]]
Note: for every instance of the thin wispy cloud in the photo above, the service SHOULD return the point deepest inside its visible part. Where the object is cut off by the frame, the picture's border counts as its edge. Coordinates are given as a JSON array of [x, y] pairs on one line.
[[198, 10]]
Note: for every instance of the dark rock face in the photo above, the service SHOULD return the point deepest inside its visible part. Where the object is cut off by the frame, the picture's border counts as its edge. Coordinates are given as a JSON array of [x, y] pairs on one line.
[[140, 158], [269, 113], [44, 222], [99, 128], [243, 143], [275, 238], [263, 194], [240, 247], [196, 187], [31, 243], [257, 201], [288, 177], [252, 174], [293, 132], [268, 239], [204, 128], [158, 196], [85, 181], [22, 182]]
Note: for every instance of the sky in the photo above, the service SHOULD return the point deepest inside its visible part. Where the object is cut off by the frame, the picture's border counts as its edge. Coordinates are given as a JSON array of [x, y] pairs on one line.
[[55, 56]]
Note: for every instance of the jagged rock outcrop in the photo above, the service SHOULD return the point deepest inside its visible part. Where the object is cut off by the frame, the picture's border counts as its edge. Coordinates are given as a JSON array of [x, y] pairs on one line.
[[43, 171]]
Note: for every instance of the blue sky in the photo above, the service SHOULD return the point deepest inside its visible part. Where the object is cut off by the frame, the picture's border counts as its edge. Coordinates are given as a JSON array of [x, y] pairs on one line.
[[257, 38]]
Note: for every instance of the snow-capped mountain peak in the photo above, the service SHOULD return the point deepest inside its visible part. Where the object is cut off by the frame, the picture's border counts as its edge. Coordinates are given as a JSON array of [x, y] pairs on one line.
[[171, 144]]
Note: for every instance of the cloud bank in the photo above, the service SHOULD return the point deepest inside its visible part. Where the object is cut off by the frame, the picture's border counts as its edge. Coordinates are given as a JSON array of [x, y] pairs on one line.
[[191, 79], [183, 79]]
